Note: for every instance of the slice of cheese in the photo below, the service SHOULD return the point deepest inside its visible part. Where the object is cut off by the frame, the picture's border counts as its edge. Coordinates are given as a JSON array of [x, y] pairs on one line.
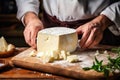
[[57, 39], [3, 44]]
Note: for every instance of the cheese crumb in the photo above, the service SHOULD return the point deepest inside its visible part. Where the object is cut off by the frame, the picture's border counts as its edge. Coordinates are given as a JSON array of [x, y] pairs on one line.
[[33, 53], [97, 53], [72, 58]]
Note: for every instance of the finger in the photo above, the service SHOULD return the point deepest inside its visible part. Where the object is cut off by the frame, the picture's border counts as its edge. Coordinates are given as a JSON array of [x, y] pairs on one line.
[[96, 41], [79, 30], [97, 36], [86, 35], [93, 27], [91, 38], [27, 36], [84, 39], [34, 35], [33, 38]]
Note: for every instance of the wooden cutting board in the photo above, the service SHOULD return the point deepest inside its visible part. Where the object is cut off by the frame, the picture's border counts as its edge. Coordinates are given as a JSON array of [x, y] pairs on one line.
[[62, 67]]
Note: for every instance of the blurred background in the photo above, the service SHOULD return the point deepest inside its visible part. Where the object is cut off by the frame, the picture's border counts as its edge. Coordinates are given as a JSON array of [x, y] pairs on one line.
[[10, 27]]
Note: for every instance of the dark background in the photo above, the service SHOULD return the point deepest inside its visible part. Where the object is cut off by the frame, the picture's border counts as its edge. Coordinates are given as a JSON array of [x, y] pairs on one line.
[[10, 27]]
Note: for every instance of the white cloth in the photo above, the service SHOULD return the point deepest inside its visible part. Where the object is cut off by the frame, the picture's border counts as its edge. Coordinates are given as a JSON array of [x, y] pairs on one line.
[[71, 10]]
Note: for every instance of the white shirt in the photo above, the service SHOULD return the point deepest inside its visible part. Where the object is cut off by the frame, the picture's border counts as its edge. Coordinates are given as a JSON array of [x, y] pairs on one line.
[[71, 10]]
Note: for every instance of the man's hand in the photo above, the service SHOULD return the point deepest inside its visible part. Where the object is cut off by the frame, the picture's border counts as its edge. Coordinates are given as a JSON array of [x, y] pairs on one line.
[[32, 26], [92, 32]]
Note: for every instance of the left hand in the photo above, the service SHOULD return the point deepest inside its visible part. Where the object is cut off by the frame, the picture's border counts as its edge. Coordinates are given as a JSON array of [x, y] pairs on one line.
[[92, 32]]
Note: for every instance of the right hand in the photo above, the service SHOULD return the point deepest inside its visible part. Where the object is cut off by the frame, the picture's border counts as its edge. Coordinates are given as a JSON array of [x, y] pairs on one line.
[[32, 25]]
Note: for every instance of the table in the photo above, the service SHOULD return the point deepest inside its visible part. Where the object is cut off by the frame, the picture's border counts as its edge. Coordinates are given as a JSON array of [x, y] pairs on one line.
[[14, 72]]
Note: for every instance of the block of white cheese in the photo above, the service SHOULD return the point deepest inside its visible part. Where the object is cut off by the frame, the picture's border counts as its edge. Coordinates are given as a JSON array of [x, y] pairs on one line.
[[57, 39]]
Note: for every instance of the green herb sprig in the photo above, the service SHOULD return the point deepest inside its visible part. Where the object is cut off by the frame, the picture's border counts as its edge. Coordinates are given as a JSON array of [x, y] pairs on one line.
[[112, 66], [99, 67], [116, 50]]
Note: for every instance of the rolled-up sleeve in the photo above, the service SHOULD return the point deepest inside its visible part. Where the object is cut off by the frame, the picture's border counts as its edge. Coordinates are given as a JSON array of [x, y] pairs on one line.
[[25, 6], [113, 13]]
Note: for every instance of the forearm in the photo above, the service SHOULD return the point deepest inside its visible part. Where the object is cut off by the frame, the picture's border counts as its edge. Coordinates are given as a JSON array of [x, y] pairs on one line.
[[102, 21], [113, 13], [25, 6], [32, 25], [29, 16]]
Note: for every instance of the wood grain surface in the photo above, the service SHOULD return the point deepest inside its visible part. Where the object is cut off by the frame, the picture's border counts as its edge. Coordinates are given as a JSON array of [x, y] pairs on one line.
[[63, 67], [12, 72]]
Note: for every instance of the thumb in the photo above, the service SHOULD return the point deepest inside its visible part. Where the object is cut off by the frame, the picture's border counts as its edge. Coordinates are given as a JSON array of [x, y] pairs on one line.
[[79, 30]]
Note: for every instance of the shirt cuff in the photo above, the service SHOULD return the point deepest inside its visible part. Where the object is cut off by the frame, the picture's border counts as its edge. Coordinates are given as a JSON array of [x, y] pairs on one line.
[[21, 13], [113, 14]]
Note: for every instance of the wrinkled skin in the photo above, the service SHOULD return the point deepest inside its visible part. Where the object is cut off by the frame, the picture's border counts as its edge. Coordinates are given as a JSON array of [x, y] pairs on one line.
[[32, 26], [92, 32]]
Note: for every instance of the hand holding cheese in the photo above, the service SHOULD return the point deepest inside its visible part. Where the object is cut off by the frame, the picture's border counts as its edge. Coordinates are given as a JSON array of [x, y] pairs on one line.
[[56, 43], [5, 48]]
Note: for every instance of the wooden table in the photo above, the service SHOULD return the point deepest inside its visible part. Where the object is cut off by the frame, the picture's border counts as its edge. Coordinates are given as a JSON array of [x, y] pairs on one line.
[[14, 72]]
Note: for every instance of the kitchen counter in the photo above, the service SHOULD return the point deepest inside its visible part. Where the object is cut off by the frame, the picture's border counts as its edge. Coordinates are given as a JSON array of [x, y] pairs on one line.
[[14, 72]]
